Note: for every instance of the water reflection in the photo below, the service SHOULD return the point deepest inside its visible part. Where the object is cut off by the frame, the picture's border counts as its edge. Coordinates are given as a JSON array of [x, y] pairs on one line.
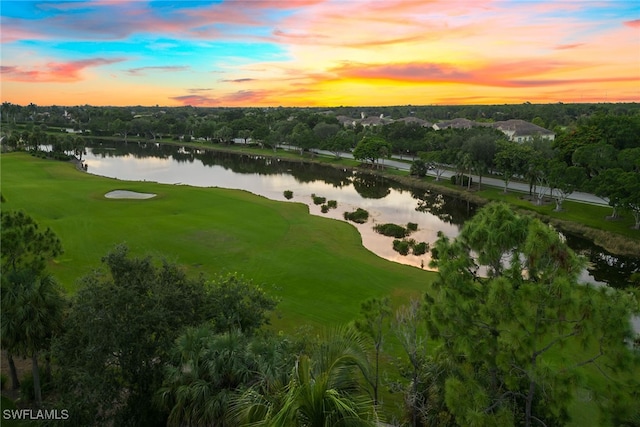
[[387, 201]]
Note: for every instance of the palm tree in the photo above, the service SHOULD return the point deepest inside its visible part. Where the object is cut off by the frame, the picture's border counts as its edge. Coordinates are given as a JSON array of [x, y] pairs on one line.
[[10, 325], [324, 390], [209, 368], [34, 314]]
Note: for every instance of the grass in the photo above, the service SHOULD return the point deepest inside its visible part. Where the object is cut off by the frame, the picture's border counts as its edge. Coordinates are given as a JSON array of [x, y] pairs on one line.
[[317, 266]]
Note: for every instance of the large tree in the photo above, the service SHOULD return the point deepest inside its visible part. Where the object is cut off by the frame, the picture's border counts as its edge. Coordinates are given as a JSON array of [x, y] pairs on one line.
[[118, 335], [506, 306], [238, 304], [26, 248], [32, 314], [511, 160], [25, 245], [372, 148]]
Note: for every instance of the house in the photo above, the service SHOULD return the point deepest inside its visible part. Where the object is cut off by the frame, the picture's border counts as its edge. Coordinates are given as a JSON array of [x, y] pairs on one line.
[[458, 123], [415, 120], [521, 131], [346, 121], [374, 121]]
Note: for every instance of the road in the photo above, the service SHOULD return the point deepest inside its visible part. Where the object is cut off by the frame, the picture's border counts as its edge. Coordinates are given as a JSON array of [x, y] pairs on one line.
[[397, 163]]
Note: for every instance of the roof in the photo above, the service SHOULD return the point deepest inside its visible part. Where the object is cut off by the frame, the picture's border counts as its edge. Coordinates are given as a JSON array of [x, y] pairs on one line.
[[416, 120], [521, 128], [458, 123]]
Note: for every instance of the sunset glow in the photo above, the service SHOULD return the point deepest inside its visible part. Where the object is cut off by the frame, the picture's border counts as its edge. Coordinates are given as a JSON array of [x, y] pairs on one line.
[[319, 52]]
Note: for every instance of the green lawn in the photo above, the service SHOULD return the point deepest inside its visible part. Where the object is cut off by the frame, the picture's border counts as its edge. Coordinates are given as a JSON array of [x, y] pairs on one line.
[[317, 266]]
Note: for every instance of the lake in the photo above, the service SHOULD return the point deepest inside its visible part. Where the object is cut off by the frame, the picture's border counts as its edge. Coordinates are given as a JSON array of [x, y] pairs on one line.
[[386, 200]]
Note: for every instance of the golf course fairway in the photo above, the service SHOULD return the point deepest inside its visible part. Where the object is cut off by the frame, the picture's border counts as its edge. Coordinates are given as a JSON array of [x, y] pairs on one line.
[[316, 266]]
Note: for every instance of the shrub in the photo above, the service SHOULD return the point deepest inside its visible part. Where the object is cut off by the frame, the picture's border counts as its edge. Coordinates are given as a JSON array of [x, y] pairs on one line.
[[324, 208], [317, 200], [332, 204], [359, 216], [420, 248], [418, 168], [401, 246], [288, 194], [412, 226], [392, 230]]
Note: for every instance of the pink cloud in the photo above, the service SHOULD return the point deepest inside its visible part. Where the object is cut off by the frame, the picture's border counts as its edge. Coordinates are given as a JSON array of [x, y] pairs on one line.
[[633, 24], [568, 46], [54, 71], [196, 100]]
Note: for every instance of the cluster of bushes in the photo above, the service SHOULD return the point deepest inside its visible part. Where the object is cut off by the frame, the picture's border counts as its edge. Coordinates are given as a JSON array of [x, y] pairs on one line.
[[318, 200], [331, 204], [359, 216], [393, 230], [326, 205], [404, 246]]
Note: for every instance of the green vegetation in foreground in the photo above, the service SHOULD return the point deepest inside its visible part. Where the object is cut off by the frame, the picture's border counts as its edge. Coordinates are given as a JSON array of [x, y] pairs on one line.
[[317, 266]]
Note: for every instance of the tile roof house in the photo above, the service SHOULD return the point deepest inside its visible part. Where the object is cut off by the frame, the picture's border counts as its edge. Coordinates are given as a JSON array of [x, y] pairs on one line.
[[346, 120], [375, 121], [415, 120], [458, 123], [521, 131]]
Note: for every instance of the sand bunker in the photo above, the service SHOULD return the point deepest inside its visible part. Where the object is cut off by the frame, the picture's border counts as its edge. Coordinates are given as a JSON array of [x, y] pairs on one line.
[[124, 194]]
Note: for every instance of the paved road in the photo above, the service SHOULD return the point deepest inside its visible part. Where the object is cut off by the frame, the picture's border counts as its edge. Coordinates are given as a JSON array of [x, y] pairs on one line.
[[396, 162]]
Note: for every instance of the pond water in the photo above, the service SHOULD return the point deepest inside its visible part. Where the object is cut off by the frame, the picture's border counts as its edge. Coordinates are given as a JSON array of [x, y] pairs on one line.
[[386, 201]]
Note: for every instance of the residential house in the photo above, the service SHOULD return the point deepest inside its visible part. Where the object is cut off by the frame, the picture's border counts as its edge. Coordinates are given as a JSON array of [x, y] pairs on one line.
[[521, 131], [458, 123]]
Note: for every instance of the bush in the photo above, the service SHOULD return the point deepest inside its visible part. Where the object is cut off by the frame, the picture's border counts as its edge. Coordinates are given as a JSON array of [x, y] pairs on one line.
[[359, 216], [332, 204], [412, 226], [418, 168], [420, 248], [288, 194], [324, 208], [392, 230], [317, 200], [401, 246]]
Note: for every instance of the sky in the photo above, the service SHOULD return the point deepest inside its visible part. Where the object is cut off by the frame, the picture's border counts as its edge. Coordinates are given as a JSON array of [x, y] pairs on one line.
[[318, 52]]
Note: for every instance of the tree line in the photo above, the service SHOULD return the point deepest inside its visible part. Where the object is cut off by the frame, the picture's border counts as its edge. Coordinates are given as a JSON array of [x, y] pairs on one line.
[[507, 335]]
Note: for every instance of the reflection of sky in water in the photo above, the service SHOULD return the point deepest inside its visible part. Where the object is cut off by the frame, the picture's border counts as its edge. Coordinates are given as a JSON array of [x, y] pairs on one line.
[[397, 207]]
